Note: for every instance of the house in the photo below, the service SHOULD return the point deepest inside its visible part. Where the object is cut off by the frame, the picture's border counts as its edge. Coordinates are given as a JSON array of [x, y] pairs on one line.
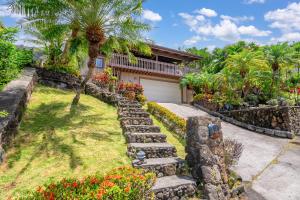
[[159, 74]]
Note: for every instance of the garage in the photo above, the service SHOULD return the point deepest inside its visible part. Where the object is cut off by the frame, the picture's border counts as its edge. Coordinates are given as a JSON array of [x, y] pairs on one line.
[[161, 91]]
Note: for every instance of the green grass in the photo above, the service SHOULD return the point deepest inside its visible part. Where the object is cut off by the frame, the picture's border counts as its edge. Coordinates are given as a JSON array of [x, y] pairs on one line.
[[172, 138], [56, 141]]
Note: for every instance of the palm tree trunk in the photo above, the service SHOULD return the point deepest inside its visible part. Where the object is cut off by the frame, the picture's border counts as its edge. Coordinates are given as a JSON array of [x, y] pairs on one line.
[[93, 53]]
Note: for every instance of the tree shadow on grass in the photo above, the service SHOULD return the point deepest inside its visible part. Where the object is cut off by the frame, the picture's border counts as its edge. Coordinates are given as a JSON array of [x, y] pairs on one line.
[[43, 122]]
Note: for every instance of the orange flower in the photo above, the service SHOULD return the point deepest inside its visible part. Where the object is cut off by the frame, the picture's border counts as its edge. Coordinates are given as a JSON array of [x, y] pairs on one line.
[[39, 189], [128, 187], [108, 184], [101, 192]]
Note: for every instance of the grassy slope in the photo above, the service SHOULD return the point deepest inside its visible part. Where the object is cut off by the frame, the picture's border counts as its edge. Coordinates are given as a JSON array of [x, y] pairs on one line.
[[172, 138], [55, 142]]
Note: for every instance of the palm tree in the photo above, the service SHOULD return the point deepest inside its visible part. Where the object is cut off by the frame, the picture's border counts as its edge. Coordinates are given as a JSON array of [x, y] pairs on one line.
[[279, 56], [244, 64], [109, 25]]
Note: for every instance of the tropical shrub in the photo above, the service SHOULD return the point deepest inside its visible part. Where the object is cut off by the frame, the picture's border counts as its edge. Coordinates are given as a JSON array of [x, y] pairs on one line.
[[133, 91], [120, 184], [141, 98], [171, 120], [105, 78], [12, 59], [232, 151]]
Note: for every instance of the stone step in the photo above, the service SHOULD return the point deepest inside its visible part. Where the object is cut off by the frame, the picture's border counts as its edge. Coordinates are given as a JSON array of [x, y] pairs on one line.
[[174, 187], [135, 114], [145, 137], [136, 121], [152, 150], [141, 129], [123, 101], [129, 105], [125, 109], [162, 166]]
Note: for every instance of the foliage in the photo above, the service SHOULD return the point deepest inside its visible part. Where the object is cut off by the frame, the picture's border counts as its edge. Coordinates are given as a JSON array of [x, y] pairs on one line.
[[245, 72], [12, 59], [106, 26], [141, 98], [130, 90], [105, 78], [64, 69], [233, 151], [121, 183], [157, 110], [3, 113]]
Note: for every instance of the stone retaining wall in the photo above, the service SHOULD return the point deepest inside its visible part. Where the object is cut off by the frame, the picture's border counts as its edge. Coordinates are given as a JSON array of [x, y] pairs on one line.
[[58, 79], [13, 100], [261, 130], [278, 118]]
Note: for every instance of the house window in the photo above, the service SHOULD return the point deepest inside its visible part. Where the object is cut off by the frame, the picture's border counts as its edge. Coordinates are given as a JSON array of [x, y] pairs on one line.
[[99, 63]]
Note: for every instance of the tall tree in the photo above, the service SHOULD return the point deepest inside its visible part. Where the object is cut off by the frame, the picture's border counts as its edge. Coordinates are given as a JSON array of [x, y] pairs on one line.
[[279, 56], [109, 25], [244, 64]]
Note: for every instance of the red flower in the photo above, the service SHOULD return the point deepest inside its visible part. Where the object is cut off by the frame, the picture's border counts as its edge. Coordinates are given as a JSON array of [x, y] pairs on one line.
[[94, 181], [51, 196], [75, 184]]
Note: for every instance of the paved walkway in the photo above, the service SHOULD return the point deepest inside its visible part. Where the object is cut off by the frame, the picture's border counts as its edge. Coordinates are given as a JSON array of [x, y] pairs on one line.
[[270, 165]]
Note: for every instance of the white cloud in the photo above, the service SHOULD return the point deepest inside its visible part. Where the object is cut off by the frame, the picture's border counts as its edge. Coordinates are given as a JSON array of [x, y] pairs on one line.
[[226, 30], [5, 11], [238, 19], [151, 16], [254, 1], [253, 31], [287, 37], [193, 40], [286, 19], [210, 48], [190, 20], [207, 12]]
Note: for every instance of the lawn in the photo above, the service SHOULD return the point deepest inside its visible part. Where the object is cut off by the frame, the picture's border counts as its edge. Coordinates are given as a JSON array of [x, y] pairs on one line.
[[56, 141], [172, 138]]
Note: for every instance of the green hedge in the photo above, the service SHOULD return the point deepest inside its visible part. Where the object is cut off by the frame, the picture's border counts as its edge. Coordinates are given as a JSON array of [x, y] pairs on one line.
[[12, 59], [173, 122]]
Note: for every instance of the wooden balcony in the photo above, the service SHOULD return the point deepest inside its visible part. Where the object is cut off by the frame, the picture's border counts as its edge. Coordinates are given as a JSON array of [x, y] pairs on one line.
[[145, 65]]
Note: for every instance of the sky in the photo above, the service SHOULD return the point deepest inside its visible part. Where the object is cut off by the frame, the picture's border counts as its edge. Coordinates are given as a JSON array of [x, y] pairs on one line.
[[210, 23]]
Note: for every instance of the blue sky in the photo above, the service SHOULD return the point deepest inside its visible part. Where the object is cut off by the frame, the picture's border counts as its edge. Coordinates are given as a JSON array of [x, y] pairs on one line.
[[214, 23]]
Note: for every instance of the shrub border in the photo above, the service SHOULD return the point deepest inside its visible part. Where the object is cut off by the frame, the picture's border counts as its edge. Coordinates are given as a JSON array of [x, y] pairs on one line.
[[173, 122]]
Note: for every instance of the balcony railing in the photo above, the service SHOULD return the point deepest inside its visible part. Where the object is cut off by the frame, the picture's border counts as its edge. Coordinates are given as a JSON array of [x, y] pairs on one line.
[[145, 65]]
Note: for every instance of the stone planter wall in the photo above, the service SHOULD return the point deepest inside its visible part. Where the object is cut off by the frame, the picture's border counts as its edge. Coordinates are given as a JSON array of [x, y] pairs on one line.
[[209, 105], [58, 79], [13, 100], [205, 157], [278, 118]]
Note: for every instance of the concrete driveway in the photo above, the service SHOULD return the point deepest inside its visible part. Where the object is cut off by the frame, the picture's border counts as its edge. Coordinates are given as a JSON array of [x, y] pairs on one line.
[[270, 166]]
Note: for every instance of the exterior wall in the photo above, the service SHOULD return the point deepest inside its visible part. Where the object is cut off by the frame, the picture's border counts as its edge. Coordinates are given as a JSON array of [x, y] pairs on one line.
[[135, 78]]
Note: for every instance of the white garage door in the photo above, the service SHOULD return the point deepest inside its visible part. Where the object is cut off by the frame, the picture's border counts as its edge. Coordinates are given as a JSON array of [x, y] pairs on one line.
[[161, 91]]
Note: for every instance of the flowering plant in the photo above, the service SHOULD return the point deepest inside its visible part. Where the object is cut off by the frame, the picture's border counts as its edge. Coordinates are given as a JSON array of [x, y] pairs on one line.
[[121, 183], [130, 87], [105, 78]]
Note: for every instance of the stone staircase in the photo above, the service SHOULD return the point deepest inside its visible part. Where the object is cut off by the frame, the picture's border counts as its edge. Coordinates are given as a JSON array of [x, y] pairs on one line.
[[161, 157]]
